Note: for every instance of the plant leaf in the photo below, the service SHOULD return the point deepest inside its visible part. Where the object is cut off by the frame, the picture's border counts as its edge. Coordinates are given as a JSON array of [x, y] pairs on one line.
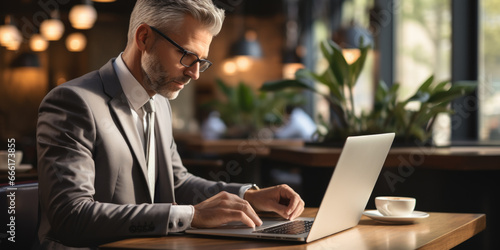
[[356, 67], [381, 91], [334, 87], [226, 90], [309, 75], [338, 64], [246, 98], [284, 84], [467, 86], [441, 86], [420, 96], [424, 118], [449, 95], [426, 85]]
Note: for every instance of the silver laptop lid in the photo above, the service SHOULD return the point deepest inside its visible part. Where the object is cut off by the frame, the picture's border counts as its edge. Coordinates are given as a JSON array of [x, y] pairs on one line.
[[351, 185]]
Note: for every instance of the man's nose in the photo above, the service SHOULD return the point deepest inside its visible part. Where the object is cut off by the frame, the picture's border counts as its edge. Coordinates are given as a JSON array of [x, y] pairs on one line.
[[193, 71]]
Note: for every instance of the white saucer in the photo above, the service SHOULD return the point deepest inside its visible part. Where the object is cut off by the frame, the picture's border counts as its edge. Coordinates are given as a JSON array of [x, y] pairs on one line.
[[414, 217], [24, 168]]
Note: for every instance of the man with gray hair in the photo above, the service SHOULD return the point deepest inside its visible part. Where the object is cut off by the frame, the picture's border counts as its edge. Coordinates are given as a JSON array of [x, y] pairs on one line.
[[108, 165]]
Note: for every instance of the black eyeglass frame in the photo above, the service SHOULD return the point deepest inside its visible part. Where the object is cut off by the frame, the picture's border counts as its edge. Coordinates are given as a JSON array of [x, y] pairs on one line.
[[203, 62]]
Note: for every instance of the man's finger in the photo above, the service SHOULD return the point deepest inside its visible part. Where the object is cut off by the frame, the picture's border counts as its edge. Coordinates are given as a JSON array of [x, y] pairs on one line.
[[235, 202], [250, 212], [279, 209], [294, 205], [298, 210], [236, 215], [290, 199]]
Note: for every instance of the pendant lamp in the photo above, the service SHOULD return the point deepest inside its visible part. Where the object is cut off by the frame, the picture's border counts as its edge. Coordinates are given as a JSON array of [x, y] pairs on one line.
[[83, 16], [52, 29], [76, 42], [10, 36], [38, 43]]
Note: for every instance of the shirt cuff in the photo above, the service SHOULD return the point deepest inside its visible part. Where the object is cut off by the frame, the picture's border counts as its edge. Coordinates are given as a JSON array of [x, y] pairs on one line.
[[180, 218], [243, 189]]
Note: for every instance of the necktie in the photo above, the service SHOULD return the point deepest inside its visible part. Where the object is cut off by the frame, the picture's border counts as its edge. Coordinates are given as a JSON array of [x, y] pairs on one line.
[[149, 107]]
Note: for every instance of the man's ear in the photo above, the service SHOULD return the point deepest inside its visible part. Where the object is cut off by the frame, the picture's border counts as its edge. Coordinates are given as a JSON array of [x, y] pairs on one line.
[[143, 34]]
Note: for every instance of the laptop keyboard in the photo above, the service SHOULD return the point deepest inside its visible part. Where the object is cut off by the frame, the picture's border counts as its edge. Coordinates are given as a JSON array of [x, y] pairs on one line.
[[292, 227]]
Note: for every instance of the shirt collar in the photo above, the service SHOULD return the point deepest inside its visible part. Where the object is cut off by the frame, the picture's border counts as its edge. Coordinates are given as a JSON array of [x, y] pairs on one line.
[[135, 93]]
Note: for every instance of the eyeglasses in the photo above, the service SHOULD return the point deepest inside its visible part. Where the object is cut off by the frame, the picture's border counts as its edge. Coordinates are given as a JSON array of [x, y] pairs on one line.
[[188, 58]]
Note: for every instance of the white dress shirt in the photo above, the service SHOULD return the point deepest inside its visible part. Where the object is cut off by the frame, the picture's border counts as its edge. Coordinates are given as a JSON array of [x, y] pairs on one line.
[[137, 97]]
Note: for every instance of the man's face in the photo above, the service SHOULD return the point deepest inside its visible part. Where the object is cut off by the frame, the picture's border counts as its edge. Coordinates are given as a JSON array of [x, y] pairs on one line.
[[158, 78], [161, 65]]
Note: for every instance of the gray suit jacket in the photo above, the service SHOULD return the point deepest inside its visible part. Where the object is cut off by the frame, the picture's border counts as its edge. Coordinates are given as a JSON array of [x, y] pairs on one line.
[[92, 169]]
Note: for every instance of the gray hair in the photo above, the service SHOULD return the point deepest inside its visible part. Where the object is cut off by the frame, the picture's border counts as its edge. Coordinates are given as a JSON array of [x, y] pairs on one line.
[[169, 14]]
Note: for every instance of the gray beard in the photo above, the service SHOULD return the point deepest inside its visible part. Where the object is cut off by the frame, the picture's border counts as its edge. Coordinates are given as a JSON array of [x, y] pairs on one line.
[[158, 79]]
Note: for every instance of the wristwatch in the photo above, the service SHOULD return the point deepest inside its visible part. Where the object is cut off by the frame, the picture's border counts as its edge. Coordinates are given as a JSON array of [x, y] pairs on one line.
[[254, 187]]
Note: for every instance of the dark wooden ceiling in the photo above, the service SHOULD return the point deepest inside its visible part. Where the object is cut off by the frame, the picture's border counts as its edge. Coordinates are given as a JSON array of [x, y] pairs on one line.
[[22, 7], [39, 9]]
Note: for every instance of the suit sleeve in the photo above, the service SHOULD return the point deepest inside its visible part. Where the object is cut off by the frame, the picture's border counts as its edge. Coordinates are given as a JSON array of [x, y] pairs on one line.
[[190, 189], [66, 141]]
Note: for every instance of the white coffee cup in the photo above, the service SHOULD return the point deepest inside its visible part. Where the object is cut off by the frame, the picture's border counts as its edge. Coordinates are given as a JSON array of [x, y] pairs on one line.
[[395, 206], [4, 159]]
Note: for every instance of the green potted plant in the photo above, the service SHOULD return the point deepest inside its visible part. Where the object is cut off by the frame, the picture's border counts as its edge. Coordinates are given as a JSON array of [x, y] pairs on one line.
[[389, 112], [246, 111]]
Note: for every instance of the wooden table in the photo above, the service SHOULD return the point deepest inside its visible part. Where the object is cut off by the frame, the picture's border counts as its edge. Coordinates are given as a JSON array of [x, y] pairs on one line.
[[438, 231], [260, 147], [450, 158]]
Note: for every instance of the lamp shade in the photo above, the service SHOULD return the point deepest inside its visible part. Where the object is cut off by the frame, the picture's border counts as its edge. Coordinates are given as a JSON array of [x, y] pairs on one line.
[[38, 43], [247, 46], [25, 60], [82, 16], [350, 37], [52, 29], [10, 36], [76, 42]]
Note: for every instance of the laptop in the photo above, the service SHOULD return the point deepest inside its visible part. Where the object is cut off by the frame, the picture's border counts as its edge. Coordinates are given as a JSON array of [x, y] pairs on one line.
[[345, 199]]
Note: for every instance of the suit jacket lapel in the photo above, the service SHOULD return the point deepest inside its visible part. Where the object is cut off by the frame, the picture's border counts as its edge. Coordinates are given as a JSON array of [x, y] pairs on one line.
[[121, 108]]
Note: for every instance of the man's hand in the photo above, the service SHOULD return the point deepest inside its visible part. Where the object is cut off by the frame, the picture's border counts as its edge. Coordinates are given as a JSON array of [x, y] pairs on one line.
[[280, 199], [223, 208]]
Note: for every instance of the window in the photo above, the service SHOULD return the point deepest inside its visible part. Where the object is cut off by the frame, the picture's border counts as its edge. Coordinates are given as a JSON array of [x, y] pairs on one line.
[[423, 48], [489, 73]]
